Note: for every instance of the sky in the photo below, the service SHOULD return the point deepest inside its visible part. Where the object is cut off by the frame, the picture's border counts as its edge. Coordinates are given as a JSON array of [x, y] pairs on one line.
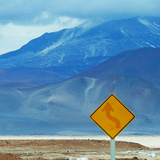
[[23, 20]]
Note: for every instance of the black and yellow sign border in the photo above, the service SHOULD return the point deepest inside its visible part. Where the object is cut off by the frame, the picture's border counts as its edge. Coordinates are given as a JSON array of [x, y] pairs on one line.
[[101, 106]]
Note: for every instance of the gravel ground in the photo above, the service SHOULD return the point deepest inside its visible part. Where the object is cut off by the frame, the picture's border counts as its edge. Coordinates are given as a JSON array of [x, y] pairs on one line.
[[74, 149]]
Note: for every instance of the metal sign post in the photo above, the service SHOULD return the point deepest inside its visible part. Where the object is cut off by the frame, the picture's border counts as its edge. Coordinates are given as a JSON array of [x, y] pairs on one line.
[[112, 149]]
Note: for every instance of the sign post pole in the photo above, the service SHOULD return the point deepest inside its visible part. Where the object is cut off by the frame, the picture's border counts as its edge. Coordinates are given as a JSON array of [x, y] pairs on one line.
[[112, 116], [112, 149]]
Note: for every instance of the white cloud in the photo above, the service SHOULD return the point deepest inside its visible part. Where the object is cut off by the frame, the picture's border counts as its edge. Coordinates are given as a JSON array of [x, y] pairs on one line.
[[13, 36], [23, 20], [45, 11], [43, 16]]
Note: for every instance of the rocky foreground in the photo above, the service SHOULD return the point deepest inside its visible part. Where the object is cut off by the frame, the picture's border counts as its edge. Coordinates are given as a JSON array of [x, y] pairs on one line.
[[73, 150]]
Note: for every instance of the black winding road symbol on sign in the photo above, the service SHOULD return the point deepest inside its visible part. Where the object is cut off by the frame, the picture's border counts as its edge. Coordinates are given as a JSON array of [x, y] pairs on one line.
[[108, 109]]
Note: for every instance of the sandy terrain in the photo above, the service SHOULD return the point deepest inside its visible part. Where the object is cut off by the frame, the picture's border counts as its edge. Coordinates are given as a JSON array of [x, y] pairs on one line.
[[148, 141], [93, 148]]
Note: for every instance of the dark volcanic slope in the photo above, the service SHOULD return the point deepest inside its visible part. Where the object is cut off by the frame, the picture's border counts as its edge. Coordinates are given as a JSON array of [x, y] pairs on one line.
[[143, 63]]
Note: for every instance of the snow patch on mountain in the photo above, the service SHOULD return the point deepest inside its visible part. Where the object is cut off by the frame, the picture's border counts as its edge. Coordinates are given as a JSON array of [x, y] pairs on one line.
[[46, 50], [123, 32], [60, 61], [92, 49], [65, 37], [144, 22], [154, 27], [150, 45]]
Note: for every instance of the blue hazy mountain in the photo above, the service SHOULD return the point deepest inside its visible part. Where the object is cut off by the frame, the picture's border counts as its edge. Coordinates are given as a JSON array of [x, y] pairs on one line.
[[63, 108], [71, 51], [21, 77]]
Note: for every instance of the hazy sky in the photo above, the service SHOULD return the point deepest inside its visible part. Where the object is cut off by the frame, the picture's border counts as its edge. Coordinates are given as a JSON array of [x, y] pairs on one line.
[[23, 20]]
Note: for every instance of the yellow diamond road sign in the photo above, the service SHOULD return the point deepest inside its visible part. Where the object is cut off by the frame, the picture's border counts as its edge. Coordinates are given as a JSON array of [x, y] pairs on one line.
[[112, 116]]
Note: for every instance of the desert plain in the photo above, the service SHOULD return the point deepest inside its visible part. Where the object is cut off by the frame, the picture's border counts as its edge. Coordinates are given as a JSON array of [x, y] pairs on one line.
[[78, 148]]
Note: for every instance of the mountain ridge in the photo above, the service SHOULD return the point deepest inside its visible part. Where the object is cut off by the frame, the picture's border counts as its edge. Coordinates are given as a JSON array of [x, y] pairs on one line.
[[144, 65], [78, 47]]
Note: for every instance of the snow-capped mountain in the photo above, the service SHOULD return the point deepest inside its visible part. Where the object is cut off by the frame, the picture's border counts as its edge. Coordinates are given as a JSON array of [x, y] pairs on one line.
[[63, 108], [71, 51]]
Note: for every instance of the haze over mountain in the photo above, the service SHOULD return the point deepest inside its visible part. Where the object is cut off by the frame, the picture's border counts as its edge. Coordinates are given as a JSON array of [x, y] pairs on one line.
[[64, 108], [71, 51]]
